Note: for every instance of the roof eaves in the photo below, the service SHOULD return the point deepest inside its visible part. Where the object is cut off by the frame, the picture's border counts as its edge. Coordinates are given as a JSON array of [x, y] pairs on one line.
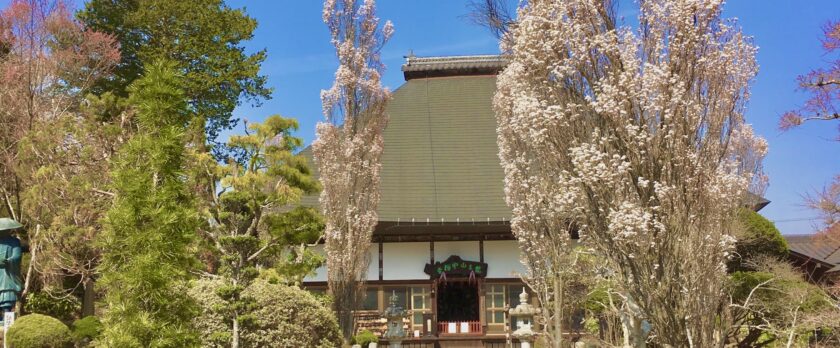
[[416, 67]]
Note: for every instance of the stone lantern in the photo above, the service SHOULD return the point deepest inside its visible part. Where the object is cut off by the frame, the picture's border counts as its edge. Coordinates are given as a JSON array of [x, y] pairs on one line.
[[394, 315], [522, 318]]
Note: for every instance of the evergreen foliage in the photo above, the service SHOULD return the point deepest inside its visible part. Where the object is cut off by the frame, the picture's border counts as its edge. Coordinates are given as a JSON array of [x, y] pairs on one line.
[[781, 303], [149, 229], [204, 38], [39, 331], [69, 156], [255, 220], [758, 238], [285, 316], [365, 338], [61, 307], [86, 330]]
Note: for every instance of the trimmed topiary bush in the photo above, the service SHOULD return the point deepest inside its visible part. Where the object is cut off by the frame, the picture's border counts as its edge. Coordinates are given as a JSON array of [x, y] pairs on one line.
[[86, 330], [61, 307], [210, 324], [364, 338], [757, 237], [285, 316], [39, 331]]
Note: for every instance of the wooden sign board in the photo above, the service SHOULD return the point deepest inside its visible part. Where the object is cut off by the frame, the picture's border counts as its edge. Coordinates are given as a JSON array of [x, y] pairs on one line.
[[455, 266]]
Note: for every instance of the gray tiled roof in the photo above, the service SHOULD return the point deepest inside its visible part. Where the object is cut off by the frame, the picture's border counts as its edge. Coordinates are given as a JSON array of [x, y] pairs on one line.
[[453, 62], [820, 248], [440, 161]]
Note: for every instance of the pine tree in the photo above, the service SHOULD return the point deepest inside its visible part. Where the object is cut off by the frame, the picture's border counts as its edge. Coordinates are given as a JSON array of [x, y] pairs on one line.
[[151, 225], [256, 220], [203, 38]]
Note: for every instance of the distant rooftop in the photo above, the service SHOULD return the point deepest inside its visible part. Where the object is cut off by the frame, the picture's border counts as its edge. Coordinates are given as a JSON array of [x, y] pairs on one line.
[[821, 249], [422, 67], [755, 202]]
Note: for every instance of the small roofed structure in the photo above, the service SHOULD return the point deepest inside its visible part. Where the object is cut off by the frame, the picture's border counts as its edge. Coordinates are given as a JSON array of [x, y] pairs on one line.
[[425, 67], [818, 256], [755, 202]]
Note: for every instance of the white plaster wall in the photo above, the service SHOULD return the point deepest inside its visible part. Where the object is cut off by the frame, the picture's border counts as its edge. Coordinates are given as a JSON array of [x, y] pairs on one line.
[[373, 266], [321, 272], [468, 250], [502, 258], [403, 261]]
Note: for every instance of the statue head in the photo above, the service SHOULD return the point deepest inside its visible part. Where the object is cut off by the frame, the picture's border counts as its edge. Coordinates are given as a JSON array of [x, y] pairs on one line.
[[7, 226]]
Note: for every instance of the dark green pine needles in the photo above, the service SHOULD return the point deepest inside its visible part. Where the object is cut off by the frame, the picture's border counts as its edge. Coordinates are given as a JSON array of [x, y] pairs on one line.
[[205, 39], [151, 225]]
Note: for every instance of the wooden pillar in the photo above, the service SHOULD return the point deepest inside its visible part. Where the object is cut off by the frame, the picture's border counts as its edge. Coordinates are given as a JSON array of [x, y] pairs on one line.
[[381, 262], [433, 290], [482, 309], [433, 297], [381, 298]]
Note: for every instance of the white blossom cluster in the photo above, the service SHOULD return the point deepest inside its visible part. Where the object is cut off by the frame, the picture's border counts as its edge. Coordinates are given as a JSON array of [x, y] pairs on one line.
[[349, 146], [636, 139]]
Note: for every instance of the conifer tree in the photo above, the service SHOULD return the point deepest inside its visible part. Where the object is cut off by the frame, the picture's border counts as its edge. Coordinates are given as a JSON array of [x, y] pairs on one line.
[[203, 38], [150, 227], [255, 220]]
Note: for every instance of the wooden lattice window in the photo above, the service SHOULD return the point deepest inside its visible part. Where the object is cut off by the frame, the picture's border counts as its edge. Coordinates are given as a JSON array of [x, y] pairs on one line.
[[421, 303], [495, 302]]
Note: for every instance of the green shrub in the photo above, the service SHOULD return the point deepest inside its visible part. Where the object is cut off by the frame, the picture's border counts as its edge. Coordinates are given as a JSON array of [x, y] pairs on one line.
[[757, 237], [364, 338], [61, 307], [285, 316], [86, 330], [39, 331]]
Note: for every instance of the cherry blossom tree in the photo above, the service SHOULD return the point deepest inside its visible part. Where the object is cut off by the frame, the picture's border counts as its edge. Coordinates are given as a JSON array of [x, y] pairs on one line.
[[633, 138], [823, 85], [348, 149]]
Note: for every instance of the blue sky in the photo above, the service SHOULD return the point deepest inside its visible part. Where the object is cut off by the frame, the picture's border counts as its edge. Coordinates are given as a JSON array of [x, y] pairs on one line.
[[301, 63]]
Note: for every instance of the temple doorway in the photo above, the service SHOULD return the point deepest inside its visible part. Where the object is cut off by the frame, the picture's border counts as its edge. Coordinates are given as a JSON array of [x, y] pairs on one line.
[[457, 301]]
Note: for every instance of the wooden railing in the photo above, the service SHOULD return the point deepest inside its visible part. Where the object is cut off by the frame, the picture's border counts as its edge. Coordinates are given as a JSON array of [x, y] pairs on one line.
[[459, 327]]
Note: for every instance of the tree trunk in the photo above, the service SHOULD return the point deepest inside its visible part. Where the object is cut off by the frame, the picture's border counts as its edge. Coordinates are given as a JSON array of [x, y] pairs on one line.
[[559, 283], [237, 298], [89, 299], [631, 325], [27, 283], [235, 343], [343, 296]]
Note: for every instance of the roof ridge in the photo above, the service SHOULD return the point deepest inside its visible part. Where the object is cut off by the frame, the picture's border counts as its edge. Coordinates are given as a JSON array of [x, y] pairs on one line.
[[463, 56], [438, 66]]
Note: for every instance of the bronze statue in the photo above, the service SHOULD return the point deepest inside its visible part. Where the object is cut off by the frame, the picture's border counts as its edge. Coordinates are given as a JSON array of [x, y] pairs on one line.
[[10, 254]]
